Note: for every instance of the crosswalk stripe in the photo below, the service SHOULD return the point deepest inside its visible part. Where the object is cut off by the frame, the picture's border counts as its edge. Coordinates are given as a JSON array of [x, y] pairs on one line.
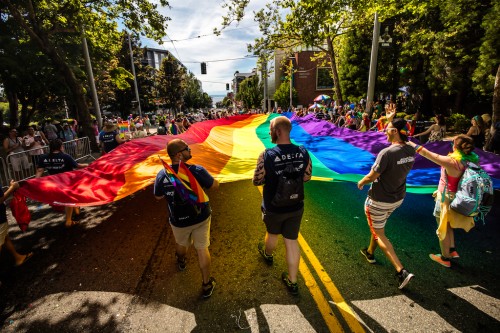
[[476, 295], [402, 314]]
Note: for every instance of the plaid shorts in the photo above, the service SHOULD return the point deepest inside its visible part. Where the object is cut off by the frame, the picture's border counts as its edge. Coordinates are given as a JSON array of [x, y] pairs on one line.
[[377, 213]]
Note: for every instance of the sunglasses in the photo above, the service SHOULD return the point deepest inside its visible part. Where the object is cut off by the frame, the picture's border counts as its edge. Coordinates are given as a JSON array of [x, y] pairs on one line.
[[392, 129], [187, 148]]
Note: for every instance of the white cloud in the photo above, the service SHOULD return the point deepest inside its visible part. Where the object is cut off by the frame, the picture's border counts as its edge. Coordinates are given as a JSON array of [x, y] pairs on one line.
[[192, 18]]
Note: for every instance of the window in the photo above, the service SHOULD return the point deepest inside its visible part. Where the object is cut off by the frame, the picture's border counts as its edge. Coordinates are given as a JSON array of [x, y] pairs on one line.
[[324, 80]]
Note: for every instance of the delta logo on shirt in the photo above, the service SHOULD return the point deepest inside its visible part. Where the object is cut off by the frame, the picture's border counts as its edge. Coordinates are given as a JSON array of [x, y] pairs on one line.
[[53, 163]]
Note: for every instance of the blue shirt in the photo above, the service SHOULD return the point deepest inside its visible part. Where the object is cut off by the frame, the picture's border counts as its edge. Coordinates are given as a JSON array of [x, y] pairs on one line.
[[183, 213], [275, 161], [57, 163], [108, 140]]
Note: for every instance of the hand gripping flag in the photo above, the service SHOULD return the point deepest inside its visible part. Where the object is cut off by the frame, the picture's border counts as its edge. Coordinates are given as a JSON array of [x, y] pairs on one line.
[[186, 184]]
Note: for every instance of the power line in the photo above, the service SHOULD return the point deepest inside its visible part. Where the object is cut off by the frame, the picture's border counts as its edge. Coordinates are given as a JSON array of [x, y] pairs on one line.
[[210, 34], [219, 60], [214, 82]]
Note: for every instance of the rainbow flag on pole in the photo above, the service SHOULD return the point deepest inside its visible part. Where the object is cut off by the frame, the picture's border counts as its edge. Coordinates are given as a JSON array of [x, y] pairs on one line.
[[185, 183]]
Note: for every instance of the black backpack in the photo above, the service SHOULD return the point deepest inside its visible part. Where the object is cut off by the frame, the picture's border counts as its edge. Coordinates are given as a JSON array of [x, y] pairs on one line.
[[290, 189]]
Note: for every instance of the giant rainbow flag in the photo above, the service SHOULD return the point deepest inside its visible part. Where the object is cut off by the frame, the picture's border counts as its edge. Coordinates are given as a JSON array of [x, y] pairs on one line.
[[228, 149]]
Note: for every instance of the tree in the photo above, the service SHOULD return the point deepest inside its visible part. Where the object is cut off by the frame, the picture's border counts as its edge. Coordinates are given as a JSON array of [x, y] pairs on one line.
[[225, 103], [307, 23], [172, 83], [250, 92], [48, 23], [282, 95], [194, 97]]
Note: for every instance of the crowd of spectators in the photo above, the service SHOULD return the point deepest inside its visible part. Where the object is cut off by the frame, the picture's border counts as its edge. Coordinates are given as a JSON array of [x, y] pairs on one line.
[[355, 117]]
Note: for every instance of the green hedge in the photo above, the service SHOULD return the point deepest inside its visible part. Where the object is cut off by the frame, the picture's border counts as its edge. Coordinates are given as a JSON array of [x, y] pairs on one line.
[[458, 123]]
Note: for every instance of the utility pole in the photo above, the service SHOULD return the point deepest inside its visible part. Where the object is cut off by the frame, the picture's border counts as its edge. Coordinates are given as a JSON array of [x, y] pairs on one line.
[[291, 83], [135, 77], [373, 65], [264, 77], [90, 74]]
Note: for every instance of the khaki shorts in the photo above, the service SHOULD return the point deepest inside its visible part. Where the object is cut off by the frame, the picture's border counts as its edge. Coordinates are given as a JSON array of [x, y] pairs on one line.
[[4, 230], [198, 235]]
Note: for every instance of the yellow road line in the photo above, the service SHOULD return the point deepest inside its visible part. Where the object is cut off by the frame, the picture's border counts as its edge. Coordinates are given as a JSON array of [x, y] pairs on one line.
[[323, 306], [349, 315]]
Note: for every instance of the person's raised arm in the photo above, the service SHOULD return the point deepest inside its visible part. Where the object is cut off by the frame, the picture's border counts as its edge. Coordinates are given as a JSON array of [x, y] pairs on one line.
[[13, 186], [427, 131], [444, 161], [390, 113]]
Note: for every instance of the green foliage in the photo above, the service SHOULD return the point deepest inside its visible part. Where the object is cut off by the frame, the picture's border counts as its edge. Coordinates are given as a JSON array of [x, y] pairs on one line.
[[172, 85], [121, 77], [194, 97], [226, 102], [250, 92], [282, 95], [54, 29], [489, 52], [458, 122]]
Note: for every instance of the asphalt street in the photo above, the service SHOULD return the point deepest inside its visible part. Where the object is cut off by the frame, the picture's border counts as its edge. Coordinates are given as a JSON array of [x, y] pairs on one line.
[[116, 271]]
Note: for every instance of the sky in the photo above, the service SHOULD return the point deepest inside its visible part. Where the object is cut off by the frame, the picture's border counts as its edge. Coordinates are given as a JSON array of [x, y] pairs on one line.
[[193, 18]]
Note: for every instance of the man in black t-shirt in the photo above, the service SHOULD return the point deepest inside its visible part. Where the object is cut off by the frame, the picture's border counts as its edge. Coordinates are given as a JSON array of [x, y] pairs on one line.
[[57, 161], [190, 223], [386, 194], [284, 220]]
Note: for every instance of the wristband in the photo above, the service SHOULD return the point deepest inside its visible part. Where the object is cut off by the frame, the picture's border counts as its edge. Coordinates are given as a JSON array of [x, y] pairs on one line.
[[418, 148]]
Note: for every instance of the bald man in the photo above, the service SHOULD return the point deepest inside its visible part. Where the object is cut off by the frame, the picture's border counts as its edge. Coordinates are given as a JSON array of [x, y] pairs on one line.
[[190, 224], [282, 206]]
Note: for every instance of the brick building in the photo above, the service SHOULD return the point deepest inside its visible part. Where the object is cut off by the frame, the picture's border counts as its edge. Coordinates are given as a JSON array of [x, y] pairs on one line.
[[309, 79]]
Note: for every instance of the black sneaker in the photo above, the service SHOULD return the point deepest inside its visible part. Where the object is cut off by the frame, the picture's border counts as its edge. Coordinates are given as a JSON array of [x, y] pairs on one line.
[[208, 288], [293, 288], [181, 262], [269, 258], [404, 277], [368, 256]]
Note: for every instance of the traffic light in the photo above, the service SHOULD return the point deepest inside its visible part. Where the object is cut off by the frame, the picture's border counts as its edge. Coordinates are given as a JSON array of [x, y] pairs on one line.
[[227, 86], [203, 68]]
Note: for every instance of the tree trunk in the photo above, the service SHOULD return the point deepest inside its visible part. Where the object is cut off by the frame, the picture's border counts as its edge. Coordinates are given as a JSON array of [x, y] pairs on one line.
[[13, 107], [496, 100], [336, 81], [460, 100]]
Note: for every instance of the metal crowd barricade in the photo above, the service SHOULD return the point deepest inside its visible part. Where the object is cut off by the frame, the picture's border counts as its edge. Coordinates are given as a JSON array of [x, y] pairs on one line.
[[78, 148], [4, 178], [23, 165]]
